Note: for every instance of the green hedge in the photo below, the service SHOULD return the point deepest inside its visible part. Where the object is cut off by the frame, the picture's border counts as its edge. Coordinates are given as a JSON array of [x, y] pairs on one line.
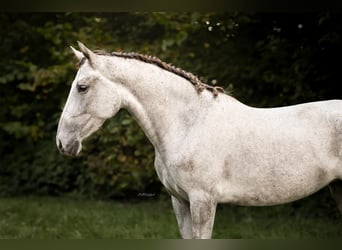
[[263, 59]]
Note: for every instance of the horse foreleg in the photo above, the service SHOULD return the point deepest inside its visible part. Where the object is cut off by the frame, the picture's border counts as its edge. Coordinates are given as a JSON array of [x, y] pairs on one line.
[[203, 210], [182, 212], [336, 192]]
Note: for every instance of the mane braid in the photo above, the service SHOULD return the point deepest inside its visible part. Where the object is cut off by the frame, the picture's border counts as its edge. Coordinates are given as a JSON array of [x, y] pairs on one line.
[[199, 85]]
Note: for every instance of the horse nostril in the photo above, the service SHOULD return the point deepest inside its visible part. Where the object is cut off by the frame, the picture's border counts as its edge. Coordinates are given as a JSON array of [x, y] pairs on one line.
[[60, 146]]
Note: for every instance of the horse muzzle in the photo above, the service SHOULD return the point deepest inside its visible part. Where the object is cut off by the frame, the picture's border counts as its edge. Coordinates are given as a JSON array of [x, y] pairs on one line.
[[71, 148]]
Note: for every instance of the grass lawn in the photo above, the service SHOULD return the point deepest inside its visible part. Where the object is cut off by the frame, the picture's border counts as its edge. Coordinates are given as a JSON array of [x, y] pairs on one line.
[[56, 218]]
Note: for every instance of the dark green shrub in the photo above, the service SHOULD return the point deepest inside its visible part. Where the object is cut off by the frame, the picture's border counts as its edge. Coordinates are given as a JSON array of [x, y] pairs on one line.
[[264, 59]]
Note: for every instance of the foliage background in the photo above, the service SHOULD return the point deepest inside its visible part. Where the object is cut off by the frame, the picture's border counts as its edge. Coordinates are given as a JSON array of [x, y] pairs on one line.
[[263, 59]]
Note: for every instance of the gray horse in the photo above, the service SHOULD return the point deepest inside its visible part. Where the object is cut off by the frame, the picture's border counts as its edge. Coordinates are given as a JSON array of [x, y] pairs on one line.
[[209, 147]]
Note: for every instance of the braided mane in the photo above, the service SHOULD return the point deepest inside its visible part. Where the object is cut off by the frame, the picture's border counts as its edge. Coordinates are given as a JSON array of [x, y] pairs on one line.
[[199, 85]]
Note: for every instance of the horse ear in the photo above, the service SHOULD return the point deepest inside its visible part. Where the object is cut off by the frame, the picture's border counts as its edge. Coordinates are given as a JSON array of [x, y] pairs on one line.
[[87, 52], [79, 55]]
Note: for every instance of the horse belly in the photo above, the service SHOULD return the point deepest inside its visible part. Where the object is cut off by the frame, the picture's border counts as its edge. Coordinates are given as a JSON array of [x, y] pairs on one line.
[[279, 172], [264, 194], [263, 187]]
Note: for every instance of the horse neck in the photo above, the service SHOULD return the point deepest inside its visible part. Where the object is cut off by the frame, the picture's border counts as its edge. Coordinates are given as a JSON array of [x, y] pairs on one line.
[[163, 103]]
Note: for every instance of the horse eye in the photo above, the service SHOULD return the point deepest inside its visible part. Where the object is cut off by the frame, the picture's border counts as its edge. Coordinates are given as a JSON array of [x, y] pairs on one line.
[[82, 88]]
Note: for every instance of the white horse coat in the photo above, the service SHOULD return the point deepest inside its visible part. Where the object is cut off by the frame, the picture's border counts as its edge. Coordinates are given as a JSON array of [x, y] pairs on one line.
[[209, 149]]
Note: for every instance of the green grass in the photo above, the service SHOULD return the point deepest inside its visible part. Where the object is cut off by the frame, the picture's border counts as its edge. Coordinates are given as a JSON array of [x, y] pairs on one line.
[[56, 218]]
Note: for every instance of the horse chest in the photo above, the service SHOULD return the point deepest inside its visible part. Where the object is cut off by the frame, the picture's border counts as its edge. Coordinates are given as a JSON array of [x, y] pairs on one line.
[[167, 178]]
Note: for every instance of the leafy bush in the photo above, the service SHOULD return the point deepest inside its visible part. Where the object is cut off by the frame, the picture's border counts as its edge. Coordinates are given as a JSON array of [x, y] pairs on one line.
[[264, 59]]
